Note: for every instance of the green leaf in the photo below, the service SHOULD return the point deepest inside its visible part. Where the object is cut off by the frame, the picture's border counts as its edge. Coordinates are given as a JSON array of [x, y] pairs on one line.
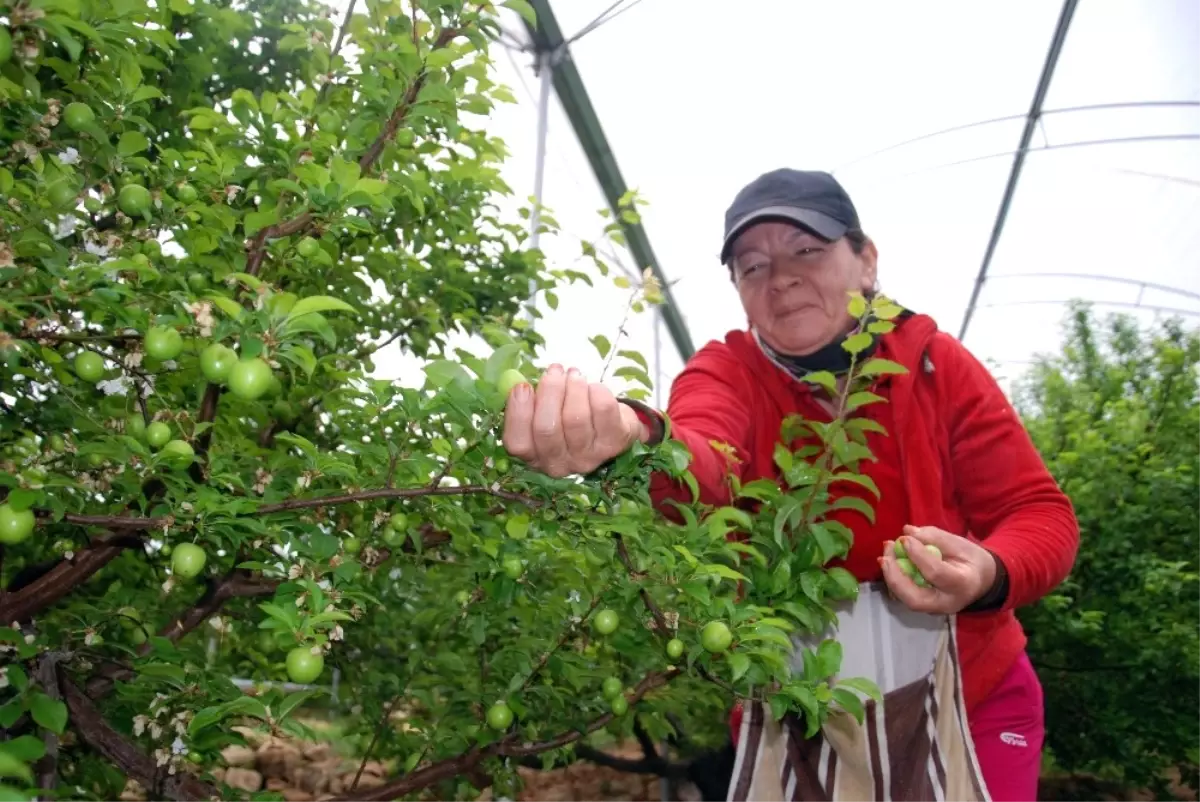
[[258, 220], [829, 658], [857, 306], [637, 374], [444, 372], [319, 303], [739, 663], [850, 703], [12, 766], [241, 706], [132, 142], [881, 367], [856, 504], [503, 358], [863, 685], [370, 186], [7, 792], [292, 701], [823, 378], [49, 713], [723, 571], [634, 356], [843, 583], [857, 343], [523, 8], [602, 345], [25, 747], [442, 57], [861, 399], [517, 527]]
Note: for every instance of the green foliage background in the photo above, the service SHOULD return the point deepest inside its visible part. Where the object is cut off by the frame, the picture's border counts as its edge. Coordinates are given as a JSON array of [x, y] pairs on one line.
[[1117, 646]]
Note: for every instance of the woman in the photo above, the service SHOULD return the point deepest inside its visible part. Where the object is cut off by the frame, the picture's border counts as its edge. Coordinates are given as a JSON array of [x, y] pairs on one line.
[[957, 471]]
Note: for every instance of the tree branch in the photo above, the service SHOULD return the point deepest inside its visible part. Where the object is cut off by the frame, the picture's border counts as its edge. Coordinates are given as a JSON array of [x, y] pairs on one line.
[[47, 675], [509, 747], [91, 727], [392, 492], [651, 605], [237, 584], [656, 612], [135, 523], [655, 680], [21, 605], [403, 107], [567, 633]]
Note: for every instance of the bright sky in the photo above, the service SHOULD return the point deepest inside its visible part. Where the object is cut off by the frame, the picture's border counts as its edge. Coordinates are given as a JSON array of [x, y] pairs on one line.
[[696, 101]]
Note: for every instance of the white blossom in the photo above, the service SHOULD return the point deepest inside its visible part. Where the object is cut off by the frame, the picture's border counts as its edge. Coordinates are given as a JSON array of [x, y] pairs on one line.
[[69, 156]]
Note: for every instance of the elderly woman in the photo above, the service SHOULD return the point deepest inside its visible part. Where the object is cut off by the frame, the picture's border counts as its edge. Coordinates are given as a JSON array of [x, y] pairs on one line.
[[958, 470]]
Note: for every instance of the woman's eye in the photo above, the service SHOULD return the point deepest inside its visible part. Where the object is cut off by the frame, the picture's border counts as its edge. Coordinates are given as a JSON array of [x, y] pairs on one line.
[[807, 251]]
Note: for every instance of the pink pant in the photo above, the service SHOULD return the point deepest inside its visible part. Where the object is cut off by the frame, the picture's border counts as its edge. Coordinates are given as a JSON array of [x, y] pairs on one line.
[[1008, 729]]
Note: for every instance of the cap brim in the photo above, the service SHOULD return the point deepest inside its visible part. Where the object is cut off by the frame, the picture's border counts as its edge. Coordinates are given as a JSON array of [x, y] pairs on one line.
[[818, 223]]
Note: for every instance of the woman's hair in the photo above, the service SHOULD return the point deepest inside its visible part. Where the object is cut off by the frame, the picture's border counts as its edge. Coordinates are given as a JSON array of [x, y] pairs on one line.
[[857, 239]]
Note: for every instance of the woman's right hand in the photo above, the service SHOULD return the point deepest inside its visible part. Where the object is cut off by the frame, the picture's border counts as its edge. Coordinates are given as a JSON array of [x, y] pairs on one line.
[[568, 426]]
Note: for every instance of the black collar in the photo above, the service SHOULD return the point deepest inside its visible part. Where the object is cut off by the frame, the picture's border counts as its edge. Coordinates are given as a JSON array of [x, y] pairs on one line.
[[832, 357]]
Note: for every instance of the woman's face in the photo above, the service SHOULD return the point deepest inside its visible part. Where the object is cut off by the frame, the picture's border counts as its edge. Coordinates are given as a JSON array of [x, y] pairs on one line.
[[795, 286]]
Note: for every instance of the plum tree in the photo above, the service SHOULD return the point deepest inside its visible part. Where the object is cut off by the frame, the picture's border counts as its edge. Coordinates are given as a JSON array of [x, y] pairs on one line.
[[299, 501]]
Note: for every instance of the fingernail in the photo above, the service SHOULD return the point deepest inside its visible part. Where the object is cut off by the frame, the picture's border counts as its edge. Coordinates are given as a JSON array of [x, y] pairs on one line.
[[523, 390], [887, 544], [555, 369], [574, 373]]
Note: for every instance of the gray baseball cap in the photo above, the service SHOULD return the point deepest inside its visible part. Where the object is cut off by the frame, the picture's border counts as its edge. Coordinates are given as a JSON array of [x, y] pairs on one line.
[[812, 200]]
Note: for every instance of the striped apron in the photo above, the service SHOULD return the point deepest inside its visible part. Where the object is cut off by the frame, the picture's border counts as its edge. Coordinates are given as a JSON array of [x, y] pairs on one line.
[[914, 746]]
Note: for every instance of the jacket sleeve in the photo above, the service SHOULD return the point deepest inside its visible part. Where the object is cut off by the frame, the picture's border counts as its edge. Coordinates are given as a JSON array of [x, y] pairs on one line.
[[706, 408], [1010, 500]]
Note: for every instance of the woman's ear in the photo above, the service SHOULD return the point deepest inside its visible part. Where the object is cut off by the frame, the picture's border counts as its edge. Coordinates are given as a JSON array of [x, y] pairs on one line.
[[870, 261]]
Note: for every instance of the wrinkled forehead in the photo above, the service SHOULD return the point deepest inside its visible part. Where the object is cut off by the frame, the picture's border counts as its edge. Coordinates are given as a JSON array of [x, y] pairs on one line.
[[771, 235]]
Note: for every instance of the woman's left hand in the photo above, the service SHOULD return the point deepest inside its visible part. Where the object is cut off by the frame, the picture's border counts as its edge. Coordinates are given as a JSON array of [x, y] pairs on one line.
[[965, 572]]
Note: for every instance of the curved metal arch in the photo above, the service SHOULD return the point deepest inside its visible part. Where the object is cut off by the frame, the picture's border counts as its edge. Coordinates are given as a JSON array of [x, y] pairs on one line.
[[1149, 285], [1132, 104], [1170, 310]]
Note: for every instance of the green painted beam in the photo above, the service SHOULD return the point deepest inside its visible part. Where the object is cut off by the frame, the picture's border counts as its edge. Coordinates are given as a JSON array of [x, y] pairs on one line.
[[548, 39]]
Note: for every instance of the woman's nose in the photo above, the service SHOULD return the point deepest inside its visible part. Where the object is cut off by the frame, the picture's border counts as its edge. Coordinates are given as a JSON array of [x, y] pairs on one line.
[[783, 277]]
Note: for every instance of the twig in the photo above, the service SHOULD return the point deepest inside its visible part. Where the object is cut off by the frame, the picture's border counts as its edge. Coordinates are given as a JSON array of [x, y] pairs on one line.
[[91, 727], [567, 633], [53, 337], [337, 46], [383, 720], [47, 675]]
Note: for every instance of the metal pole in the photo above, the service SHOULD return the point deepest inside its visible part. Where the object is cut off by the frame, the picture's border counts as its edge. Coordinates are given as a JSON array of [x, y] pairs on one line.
[[545, 69], [1031, 120]]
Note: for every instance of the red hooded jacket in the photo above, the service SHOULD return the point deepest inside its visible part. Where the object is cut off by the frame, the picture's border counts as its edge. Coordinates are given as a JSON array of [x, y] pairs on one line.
[[957, 458]]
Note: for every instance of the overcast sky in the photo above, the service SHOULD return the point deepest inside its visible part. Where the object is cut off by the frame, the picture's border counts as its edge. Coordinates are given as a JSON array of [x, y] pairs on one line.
[[696, 100]]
